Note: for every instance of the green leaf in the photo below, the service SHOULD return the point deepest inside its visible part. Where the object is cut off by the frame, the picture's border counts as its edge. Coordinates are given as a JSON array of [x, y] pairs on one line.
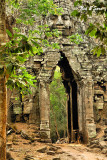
[[35, 50], [75, 13], [90, 28], [77, 2], [21, 59], [84, 17], [76, 38], [9, 33], [99, 52], [55, 46], [93, 32]]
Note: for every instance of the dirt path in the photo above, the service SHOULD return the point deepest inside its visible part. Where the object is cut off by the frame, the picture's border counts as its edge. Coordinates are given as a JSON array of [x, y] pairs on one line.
[[66, 152], [79, 152], [22, 148]]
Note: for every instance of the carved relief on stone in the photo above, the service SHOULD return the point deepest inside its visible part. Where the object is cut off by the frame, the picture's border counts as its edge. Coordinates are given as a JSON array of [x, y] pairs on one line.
[[61, 22], [99, 101]]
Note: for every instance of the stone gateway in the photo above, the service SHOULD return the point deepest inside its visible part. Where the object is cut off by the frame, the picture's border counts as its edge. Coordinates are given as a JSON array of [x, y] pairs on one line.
[[84, 77]]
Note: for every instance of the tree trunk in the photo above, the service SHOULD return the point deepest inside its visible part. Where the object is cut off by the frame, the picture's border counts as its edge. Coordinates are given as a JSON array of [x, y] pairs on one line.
[[9, 105], [3, 115], [55, 123], [3, 103]]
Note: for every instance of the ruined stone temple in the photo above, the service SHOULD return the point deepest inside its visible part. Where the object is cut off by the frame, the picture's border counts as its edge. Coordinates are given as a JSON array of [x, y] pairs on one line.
[[84, 77]]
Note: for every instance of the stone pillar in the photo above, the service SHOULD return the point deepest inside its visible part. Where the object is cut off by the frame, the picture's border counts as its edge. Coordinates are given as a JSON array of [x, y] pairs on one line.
[[44, 101], [80, 106], [90, 128], [34, 116]]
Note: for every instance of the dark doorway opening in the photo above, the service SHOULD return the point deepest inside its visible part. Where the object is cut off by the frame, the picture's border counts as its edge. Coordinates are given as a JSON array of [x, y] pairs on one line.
[[75, 111], [72, 105]]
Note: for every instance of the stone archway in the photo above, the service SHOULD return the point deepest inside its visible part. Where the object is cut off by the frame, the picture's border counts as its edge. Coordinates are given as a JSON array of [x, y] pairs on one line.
[[80, 101]]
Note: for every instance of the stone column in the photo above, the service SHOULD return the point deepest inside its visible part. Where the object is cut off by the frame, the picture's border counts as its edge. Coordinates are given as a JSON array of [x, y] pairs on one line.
[[80, 106], [34, 116], [90, 128], [44, 101]]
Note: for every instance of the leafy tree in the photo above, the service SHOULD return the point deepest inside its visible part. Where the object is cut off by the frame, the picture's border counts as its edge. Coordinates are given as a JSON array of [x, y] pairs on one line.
[[18, 49], [58, 100], [98, 28]]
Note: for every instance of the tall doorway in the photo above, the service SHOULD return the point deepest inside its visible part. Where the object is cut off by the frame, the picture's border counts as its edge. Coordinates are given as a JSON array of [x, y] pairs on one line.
[[72, 105]]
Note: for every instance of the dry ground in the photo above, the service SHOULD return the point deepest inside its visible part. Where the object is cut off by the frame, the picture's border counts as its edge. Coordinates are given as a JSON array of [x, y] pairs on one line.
[[21, 148]]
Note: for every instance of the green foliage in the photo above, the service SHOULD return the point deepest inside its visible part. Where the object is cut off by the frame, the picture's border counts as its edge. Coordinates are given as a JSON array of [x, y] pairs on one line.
[[78, 2], [75, 13], [28, 9], [76, 38], [58, 100], [85, 10], [18, 50], [21, 81], [9, 33], [14, 54]]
